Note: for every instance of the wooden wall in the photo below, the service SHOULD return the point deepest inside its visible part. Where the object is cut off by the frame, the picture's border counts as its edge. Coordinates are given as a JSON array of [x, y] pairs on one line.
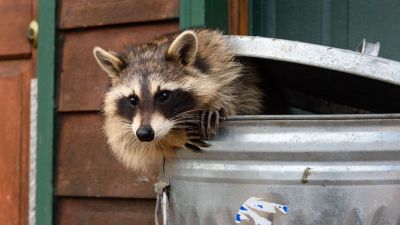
[[91, 186], [16, 70]]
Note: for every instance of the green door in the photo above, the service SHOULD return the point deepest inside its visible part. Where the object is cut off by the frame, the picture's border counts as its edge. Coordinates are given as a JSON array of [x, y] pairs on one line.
[[336, 23]]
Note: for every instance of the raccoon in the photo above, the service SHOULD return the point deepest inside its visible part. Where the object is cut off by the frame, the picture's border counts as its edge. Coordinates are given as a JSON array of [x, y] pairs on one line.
[[165, 94]]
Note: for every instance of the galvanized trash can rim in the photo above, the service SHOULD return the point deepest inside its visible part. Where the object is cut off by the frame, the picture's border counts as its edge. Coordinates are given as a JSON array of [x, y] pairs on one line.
[[313, 117]]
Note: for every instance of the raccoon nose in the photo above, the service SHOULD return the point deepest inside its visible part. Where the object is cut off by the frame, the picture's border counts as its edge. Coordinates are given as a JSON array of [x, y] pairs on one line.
[[145, 133]]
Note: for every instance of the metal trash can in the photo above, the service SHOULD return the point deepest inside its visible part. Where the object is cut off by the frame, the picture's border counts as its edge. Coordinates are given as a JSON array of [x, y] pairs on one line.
[[341, 169]]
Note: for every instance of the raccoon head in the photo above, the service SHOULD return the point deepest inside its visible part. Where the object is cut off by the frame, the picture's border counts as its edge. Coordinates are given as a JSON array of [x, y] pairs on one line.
[[153, 85]]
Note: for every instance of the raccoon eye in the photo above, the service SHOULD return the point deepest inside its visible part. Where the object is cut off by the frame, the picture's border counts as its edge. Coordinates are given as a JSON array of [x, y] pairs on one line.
[[164, 96], [133, 100]]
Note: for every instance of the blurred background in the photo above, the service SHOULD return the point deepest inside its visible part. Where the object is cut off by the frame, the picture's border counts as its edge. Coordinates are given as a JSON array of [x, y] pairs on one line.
[[55, 167]]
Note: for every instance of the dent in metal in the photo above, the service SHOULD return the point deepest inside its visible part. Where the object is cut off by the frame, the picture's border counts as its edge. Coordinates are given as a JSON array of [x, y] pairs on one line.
[[306, 173]]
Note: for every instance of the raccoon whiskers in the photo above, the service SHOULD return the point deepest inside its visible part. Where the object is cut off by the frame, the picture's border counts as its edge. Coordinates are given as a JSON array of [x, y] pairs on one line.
[[181, 126], [186, 113], [124, 125], [186, 120], [186, 123]]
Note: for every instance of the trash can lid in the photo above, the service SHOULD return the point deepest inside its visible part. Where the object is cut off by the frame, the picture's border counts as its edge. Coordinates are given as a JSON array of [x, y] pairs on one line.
[[342, 60]]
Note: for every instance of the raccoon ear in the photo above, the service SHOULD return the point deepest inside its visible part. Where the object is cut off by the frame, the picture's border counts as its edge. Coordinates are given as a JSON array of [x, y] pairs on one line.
[[108, 61], [184, 48]]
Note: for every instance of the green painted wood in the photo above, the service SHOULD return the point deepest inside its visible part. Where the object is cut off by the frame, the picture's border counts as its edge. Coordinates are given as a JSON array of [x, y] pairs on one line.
[[262, 18], [376, 21], [299, 20], [337, 23], [319, 22], [217, 14], [204, 13], [46, 111], [191, 13]]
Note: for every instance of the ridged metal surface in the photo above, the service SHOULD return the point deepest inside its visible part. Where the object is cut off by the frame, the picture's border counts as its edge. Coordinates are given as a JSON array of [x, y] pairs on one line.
[[342, 170], [329, 170]]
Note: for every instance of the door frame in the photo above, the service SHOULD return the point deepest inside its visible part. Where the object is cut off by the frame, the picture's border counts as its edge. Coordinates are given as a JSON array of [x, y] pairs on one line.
[[46, 112]]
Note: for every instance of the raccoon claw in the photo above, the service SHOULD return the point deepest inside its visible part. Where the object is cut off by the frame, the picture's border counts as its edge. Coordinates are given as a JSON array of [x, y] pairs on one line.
[[196, 145], [193, 147], [209, 124], [199, 143]]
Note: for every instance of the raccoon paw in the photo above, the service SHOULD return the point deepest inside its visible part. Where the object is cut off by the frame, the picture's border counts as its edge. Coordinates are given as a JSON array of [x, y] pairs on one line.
[[209, 124], [204, 130]]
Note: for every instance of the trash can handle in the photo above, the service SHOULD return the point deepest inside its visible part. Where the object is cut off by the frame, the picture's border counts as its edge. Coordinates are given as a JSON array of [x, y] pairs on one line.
[[368, 48], [162, 199]]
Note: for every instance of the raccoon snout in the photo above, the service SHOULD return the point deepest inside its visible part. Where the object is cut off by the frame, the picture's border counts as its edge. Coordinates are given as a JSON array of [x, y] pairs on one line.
[[145, 133]]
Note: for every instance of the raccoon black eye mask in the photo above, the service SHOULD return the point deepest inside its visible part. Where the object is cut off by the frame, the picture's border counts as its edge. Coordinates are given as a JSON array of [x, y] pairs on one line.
[[169, 93]]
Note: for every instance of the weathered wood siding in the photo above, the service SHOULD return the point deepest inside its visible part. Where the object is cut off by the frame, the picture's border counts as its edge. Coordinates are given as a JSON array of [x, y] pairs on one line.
[[16, 71], [91, 186]]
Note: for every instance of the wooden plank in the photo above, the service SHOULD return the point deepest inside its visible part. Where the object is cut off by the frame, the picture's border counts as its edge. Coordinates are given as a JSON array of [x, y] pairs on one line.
[[238, 17], [15, 76], [13, 148], [15, 16], [85, 13], [25, 140], [77, 211], [83, 83], [10, 119], [86, 167]]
